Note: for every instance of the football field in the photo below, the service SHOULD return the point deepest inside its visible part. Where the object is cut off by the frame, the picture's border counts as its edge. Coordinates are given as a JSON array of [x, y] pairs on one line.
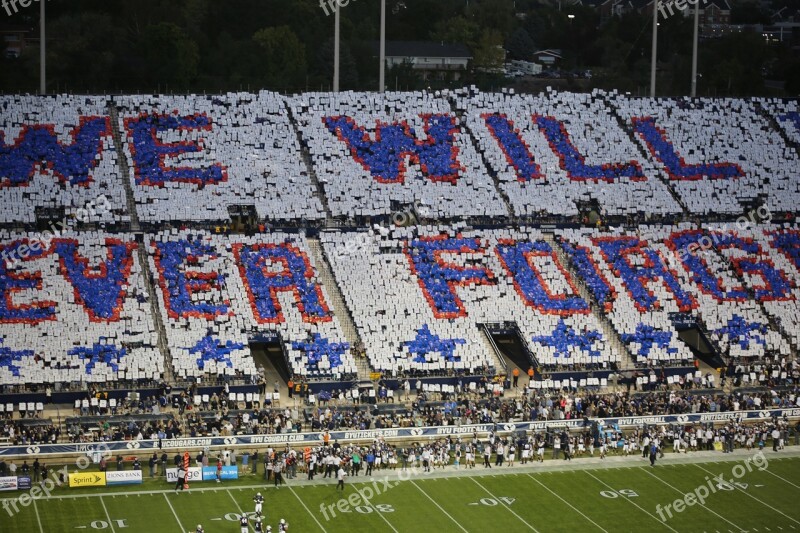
[[681, 493]]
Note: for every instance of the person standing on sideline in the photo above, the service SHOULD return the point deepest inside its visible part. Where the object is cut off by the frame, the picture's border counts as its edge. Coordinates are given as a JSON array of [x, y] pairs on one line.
[[219, 470], [152, 464], [776, 435], [653, 454], [340, 476], [487, 454], [181, 478], [277, 469]]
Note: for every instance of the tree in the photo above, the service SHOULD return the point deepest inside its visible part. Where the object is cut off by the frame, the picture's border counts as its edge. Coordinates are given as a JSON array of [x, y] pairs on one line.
[[489, 53], [348, 74], [169, 55], [284, 55], [458, 30], [520, 45]]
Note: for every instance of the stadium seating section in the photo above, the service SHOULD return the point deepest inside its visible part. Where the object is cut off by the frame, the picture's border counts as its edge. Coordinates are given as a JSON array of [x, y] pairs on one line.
[[217, 292], [370, 150], [191, 157], [75, 309], [478, 169], [58, 152]]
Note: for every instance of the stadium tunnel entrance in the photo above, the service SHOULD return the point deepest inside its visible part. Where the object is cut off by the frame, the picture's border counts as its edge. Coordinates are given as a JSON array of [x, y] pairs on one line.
[[268, 353], [691, 332], [511, 346]]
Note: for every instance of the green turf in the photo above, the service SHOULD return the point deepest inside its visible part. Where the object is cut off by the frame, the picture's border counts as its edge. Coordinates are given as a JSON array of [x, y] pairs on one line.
[[616, 496]]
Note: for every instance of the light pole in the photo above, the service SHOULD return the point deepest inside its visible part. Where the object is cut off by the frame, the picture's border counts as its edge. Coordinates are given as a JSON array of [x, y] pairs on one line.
[[336, 50], [382, 72], [42, 46], [694, 47], [653, 51]]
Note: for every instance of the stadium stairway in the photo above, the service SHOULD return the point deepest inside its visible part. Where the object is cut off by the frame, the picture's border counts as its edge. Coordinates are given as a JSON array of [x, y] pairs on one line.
[[775, 126], [642, 153], [319, 191], [626, 361], [340, 307], [512, 216], [124, 169], [501, 364], [163, 346], [770, 319]]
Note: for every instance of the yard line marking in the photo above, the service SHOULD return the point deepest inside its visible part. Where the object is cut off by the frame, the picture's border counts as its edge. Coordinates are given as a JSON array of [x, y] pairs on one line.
[[38, 519], [504, 505], [174, 513], [306, 508], [633, 503], [369, 504], [565, 501], [107, 515], [240, 508], [781, 478], [753, 497], [676, 489], [439, 506]]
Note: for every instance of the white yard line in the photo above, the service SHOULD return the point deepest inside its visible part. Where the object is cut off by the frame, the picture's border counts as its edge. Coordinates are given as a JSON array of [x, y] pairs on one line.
[[753, 497], [565, 501], [504, 505], [440, 507], [241, 512], [38, 518], [676, 489], [376, 509], [779, 477], [629, 500], [307, 509], [174, 513], [110, 522]]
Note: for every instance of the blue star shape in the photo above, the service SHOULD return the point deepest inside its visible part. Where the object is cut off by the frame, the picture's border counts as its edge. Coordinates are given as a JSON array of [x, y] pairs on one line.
[[210, 349], [647, 337], [8, 357], [107, 353], [564, 337], [319, 346], [744, 332], [426, 342]]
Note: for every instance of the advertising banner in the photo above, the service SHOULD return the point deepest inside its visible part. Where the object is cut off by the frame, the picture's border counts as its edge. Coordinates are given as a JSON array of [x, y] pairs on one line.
[[228, 472], [8, 483], [126, 477], [87, 479], [195, 473]]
